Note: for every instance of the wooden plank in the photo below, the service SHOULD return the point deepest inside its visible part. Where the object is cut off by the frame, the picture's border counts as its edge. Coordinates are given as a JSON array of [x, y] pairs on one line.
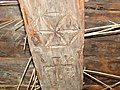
[[103, 6], [96, 87], [55, 30], [9, 13], [12, 49], [103, 54], [11, 70], [24, 87]]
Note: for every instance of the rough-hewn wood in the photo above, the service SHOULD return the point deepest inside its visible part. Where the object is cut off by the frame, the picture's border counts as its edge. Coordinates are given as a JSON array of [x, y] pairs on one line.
[[23, 87], [9, 12], [103, 54], [11, 70], [96, 87], [55, 30], [94, 17]]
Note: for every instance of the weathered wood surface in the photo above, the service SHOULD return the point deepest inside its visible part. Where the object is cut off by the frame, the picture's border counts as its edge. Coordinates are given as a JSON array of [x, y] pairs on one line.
[[9, 12], [55, 32], [101, 54], [11, 70], [24, 87]]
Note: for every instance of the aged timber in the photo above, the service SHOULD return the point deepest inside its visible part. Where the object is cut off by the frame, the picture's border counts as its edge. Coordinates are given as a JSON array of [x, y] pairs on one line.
[[55, 30]]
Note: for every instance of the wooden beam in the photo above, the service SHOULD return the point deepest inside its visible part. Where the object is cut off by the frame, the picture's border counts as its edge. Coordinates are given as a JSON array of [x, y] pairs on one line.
[[55, 31]]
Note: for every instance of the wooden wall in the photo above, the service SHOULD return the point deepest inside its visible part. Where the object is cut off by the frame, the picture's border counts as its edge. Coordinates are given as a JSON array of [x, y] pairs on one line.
[[101, 53]]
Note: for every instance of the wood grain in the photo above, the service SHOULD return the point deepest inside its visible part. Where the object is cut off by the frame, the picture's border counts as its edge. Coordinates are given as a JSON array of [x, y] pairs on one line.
[[55, 30]]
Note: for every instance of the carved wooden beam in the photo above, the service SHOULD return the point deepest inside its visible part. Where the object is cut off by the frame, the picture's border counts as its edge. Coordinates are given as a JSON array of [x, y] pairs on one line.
[[55, 30]]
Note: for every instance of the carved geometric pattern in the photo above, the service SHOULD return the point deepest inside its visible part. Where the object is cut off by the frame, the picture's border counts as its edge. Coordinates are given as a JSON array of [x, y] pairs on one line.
[[54, 74], [61, 35], [56, 42], [57, 25]]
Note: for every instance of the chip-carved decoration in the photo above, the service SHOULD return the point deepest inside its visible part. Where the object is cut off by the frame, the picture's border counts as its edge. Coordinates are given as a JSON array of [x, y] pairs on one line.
[[54, 31], [57, 36]]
